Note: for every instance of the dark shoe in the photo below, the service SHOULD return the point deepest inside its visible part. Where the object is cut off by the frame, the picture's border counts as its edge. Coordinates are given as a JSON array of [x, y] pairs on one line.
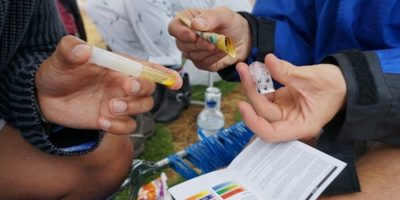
[[158, 97], [175, 101], [138, 145], [144, 130]]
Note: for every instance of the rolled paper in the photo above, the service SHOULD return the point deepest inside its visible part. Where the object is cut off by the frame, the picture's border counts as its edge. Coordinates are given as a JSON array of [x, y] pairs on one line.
[[222, 42]]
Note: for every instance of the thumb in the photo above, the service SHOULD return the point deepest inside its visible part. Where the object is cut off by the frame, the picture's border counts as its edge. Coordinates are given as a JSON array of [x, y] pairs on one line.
[[70, 52], [212, 19], [282, 71]]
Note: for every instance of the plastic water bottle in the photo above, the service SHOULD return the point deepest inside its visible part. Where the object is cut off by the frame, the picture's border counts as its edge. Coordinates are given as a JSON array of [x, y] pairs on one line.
[[210, 120]]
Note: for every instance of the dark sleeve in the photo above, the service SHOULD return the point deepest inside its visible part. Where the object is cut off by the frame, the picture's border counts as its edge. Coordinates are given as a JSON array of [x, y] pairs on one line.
[[72, 7], [372, 110], [17, 99]]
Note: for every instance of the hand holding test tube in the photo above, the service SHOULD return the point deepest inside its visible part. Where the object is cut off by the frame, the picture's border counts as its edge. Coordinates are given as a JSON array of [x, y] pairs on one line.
[[125, 65]]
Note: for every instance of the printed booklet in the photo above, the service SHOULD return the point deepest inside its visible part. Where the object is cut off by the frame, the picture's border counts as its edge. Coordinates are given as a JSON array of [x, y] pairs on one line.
[[289, 170]]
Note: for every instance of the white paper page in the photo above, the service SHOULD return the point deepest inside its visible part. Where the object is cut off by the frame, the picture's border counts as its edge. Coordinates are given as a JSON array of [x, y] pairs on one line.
[[290, 170], [216, 185]]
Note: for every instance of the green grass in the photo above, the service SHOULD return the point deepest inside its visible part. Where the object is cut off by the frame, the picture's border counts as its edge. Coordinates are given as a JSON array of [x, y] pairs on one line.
[[123, 195], [237, 116], [159, 146], [225, 87]]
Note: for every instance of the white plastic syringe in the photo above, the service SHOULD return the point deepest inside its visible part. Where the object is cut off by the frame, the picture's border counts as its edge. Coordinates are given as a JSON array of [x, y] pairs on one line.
[[119, 63]]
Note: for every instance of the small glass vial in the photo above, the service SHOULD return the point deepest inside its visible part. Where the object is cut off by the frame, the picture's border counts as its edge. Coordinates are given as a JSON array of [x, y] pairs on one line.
[[262, 77], [210, 120]]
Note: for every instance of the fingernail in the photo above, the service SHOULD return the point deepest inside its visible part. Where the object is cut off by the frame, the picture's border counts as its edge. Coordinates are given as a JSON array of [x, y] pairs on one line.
[[104, 124], [135, 86], [79, 50], [201, 23], [119, 106]]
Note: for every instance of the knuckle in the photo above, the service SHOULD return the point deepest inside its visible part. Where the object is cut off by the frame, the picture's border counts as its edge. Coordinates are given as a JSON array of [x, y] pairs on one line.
[[147, 88], [146, 104], [127, 126], [267, 137], [201, 65], [288, 70], [180, 45], [152, 88]]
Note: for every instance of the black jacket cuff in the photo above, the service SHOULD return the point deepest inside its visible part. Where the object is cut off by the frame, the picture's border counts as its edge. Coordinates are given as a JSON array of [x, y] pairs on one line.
[[368, 97], [27, 118]]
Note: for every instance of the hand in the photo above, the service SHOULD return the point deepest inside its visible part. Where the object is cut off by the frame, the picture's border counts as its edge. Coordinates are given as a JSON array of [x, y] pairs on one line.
[[220, 20], [311, 97], [75, 93]]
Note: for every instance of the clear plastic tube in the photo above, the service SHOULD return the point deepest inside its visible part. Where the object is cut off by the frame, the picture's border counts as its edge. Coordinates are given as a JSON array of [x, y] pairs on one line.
[[262, 77], [124, 65]]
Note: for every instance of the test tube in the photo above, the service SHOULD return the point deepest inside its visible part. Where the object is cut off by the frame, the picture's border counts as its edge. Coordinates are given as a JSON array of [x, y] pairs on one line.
[[125, 65]]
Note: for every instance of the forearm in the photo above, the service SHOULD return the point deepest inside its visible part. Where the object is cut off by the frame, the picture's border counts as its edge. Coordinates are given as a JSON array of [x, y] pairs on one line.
[[22, 110], [18, 104]]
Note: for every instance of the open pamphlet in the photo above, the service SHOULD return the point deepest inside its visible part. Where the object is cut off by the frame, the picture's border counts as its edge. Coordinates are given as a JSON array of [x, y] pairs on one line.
[[266, 171]]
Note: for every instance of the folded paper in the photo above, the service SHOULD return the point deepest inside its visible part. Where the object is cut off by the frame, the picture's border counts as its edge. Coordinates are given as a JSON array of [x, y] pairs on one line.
[[222, 42]]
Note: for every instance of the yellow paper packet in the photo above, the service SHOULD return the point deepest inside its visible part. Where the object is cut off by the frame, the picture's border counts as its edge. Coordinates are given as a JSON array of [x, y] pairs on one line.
[[222, 42]]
